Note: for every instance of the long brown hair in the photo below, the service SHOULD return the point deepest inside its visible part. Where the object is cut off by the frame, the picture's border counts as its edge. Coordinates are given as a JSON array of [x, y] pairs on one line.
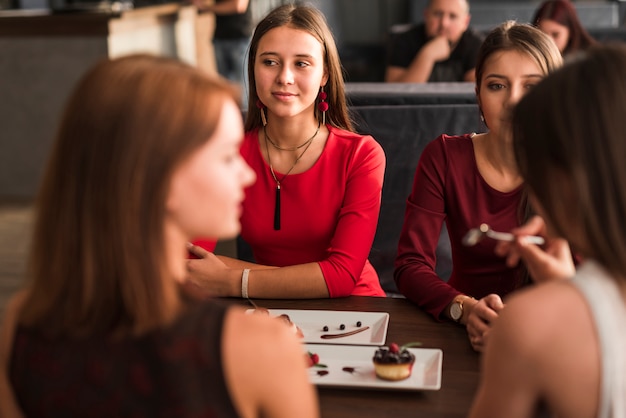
[[312, 21], [528, 40], [564, 13], [570, 141], [523, 38], [97, 263]]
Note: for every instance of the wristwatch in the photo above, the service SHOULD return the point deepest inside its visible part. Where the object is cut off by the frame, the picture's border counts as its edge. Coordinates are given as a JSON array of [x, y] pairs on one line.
[[456, 308]]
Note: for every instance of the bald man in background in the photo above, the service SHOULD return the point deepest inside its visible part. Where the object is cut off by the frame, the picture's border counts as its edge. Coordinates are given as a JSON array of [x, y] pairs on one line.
[[442, 48]]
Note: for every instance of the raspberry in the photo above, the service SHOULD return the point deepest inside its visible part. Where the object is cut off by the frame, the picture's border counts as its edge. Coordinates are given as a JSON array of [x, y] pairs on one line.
[[315, 358], [393, 347]]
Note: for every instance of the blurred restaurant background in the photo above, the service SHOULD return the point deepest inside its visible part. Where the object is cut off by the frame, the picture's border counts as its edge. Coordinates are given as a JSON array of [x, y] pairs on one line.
[[46, 45]]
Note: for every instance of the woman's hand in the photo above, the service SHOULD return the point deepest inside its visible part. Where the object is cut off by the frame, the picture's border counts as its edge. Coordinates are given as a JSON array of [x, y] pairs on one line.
[[209, 276], [480, 317], [551, 261]]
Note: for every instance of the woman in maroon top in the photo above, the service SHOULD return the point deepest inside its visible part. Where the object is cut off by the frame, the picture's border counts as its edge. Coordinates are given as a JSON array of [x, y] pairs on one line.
[[472, 179], [104, 327]]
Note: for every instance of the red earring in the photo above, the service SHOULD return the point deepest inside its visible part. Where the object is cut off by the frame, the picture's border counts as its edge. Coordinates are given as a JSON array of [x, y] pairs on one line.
[[322, 106], [261, 107]]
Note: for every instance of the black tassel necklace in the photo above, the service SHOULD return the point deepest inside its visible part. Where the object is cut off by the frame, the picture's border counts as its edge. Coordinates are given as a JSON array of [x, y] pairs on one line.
[[306, 144]]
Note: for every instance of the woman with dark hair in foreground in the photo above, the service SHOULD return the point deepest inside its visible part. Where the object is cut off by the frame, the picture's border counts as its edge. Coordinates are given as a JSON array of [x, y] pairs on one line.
[[562, 344]]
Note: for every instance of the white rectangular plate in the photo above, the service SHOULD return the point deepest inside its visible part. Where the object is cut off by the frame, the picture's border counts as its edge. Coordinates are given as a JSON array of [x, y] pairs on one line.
[[312, 323], [426, 373]]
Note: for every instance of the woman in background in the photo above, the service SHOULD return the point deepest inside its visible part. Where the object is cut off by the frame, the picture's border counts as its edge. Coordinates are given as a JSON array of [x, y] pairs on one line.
[[311, 217], [472, 179], [558, 18], [104, 328], [562, 344]]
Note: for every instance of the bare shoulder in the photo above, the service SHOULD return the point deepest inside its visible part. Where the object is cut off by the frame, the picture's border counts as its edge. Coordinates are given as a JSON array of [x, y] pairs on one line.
[[8, 327], [544, 301], [11, 313], [8, 404], [15, 302], [531, 315], [250, 341], [264, 365], [262, 342], [254, 328], [550, 332]]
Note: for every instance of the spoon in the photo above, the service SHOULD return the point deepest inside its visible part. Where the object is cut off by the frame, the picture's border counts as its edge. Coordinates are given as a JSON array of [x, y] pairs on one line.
[[475, 235]]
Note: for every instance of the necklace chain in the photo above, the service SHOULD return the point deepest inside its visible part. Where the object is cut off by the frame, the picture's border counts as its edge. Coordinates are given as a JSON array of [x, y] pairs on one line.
[[297, 147], [305, 144]]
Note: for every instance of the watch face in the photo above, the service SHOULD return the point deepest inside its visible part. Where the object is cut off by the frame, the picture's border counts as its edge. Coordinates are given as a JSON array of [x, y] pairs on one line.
[[456, 311]]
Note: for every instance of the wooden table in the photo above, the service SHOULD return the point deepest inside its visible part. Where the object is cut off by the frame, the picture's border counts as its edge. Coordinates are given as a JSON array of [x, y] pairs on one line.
[[406, 323]]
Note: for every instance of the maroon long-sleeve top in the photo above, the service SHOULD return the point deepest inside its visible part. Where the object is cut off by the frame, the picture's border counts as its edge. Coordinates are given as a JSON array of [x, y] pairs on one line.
[[449, 188]]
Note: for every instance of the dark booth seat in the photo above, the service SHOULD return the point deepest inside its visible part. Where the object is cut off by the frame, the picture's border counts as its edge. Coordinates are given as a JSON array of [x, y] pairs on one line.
[[379, 94], [403, 131]]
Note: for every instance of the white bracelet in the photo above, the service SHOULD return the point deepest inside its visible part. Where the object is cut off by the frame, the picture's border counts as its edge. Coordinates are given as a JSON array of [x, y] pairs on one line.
[[244, 283]]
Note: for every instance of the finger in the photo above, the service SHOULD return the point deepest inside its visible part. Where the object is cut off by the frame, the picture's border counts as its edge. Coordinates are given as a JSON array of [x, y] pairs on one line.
[[196, 250], [535, 225], [489, 317], [477, 333], [507, 249], [494, 302], [191, 267], [502, 248], [477, 328], [482, 326], [531, 253], [485, 310], [477, 343], [512, 259], [526, 251], [481, 322]]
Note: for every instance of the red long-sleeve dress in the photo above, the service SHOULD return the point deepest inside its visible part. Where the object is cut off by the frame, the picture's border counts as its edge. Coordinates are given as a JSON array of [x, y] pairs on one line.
[[329, 213], [448, 187]]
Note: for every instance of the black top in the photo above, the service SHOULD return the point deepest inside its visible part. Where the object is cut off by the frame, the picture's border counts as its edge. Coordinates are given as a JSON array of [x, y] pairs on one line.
[[405, 46], [174, 372], [233, 26]]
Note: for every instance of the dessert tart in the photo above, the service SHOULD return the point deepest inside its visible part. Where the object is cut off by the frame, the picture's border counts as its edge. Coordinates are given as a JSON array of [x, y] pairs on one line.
[[393, 362]]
